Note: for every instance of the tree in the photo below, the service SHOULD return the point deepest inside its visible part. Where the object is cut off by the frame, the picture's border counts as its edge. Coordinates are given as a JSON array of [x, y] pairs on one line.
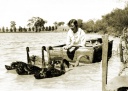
[[88, 26], [58, 23], [50, 28], [118, 19], [100, 26], [46, 28], [13, 24], [36, 22], [7, 30], [3, 29], [53, 28], [80, 22], [55, 23], [20, 29], [39, 22]]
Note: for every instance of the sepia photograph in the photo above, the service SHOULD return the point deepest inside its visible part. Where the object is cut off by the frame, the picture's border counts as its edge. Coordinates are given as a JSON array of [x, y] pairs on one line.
[[64, 45]]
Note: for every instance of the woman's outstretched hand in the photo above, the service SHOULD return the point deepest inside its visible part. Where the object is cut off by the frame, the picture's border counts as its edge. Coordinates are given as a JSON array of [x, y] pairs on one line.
[[67, 47]]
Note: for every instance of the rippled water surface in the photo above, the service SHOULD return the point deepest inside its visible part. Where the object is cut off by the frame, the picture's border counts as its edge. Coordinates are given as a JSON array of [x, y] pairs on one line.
[[86, 77]]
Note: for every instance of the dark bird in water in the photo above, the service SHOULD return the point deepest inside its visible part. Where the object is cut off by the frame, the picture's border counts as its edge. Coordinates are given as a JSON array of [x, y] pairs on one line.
[[23, 68], [122, 89]]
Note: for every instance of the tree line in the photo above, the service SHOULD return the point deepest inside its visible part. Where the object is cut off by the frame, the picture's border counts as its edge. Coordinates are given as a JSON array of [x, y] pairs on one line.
[[112, 23], [30, 29], [35, 24]]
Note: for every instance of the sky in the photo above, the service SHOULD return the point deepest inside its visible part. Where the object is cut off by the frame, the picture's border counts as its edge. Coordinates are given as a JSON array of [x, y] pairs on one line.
[[21, 11]]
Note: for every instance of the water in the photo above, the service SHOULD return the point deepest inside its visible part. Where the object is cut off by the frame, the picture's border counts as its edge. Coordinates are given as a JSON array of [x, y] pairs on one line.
[[85, 77]]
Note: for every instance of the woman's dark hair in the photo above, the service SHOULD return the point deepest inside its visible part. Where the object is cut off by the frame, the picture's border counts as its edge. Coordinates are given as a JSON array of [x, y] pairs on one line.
[[74, 21]]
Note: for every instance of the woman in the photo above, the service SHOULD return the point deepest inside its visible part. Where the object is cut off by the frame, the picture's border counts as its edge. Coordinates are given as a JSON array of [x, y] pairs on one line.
[[75, 36], [75, 39]]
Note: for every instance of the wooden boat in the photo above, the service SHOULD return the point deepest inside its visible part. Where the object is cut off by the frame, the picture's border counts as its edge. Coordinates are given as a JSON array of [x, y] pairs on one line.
[[91, 53]]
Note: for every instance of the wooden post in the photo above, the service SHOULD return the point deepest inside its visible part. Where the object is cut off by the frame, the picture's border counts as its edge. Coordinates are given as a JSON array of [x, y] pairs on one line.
[[121, 51], [43, 60], [104, 61], [125, 38]]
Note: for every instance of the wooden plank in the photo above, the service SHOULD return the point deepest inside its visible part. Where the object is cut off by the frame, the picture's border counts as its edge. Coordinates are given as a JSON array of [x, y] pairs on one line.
[[121, 50], [104, 61]]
